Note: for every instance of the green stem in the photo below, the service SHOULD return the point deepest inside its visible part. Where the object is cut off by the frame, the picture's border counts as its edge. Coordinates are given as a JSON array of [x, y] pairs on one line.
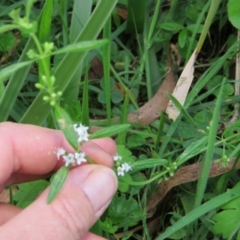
[[41, 53], [147, 181], [211, 14]]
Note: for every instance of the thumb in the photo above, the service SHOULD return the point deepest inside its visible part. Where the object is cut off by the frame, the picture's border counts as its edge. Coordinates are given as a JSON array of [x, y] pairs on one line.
[[85, 195]]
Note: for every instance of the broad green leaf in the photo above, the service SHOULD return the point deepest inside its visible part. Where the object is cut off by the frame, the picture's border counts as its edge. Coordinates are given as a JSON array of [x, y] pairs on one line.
[[192, 12], [136, 15], [171, 26], [7, 41], [28, 192], [124, 211], [195, 27], [182, 38], [116, 96], [186, 130], [147, 163], [123, 185], [107, 226], [57, 182], [227, 219], [81, 46], [110, 131], [66, 125], [233, 12]]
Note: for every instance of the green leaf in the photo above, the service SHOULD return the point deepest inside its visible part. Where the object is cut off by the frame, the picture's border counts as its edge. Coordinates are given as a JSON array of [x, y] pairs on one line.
[[7, 41], [28, 192], [192, 12], [171, 26], [116, 96], [6, 28], [2, 89], [66, 125], [200, 211], [136, 15], [233, 13], [123, 185], [81, 46], [39, 110], [8, 71], [186, 130], [147, 163], [181, 108], [192, 150], [124, 212], [182, 38], [227, 219], [110, 131], [57, 182]]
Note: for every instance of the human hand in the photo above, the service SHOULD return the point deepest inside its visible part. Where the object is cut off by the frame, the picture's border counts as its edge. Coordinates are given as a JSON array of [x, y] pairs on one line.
[[28, 153]]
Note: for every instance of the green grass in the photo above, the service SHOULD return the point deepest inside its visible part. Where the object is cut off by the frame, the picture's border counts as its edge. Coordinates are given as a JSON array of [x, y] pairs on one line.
[[107, 67]]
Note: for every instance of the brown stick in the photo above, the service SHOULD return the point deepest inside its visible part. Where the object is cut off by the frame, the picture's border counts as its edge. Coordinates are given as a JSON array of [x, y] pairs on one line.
[[183, 175], [152, 109]]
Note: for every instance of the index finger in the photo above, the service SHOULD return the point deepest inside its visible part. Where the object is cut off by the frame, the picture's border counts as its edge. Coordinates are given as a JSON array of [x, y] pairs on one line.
[[30, 150]]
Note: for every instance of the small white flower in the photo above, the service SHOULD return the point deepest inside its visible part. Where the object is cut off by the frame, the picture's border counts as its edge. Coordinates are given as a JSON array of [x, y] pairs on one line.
[[116, 157], [80, 157], [81, 131], [79, 128], [126, 167], [120, 171], [83, 137], [69, 159], [60, 152]]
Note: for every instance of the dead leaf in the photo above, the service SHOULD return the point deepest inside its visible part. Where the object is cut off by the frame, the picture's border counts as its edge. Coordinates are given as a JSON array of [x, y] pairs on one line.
[[181, 90]]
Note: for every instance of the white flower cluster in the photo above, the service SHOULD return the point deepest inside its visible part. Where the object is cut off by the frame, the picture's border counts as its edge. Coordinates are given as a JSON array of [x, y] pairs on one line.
[[82, 132], [76, 158], [121, 169], [73, 159]]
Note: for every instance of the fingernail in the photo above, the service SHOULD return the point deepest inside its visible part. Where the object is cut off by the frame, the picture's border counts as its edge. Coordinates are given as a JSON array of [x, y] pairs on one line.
[[100, 186]]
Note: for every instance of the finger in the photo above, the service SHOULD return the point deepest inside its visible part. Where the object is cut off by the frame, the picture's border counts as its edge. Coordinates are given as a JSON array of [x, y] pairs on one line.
[[28, 149], [97, 153], [29, 152], [83, 198], [107, 144], [8, 212], [91, 236], [94, 151]]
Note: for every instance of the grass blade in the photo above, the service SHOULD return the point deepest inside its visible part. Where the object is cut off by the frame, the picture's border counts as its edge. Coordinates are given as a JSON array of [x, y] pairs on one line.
[[200, 211], [39, 110], [203, 177]]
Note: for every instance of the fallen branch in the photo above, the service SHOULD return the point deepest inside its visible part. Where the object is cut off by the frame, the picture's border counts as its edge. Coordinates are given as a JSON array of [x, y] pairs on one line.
[[183, 175]]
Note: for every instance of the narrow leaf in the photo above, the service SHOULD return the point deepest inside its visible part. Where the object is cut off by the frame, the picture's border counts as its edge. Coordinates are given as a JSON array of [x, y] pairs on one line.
[[192, 150], [82, 46], [147, 163], [8, 71], [110, 131], [57, 182], [200, 211]]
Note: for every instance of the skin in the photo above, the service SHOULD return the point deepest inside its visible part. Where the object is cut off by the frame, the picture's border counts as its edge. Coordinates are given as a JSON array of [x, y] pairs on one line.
[[28, 153]]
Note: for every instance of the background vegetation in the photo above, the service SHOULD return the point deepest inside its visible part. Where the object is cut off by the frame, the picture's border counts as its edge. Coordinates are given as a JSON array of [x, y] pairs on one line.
[[184, 178]]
